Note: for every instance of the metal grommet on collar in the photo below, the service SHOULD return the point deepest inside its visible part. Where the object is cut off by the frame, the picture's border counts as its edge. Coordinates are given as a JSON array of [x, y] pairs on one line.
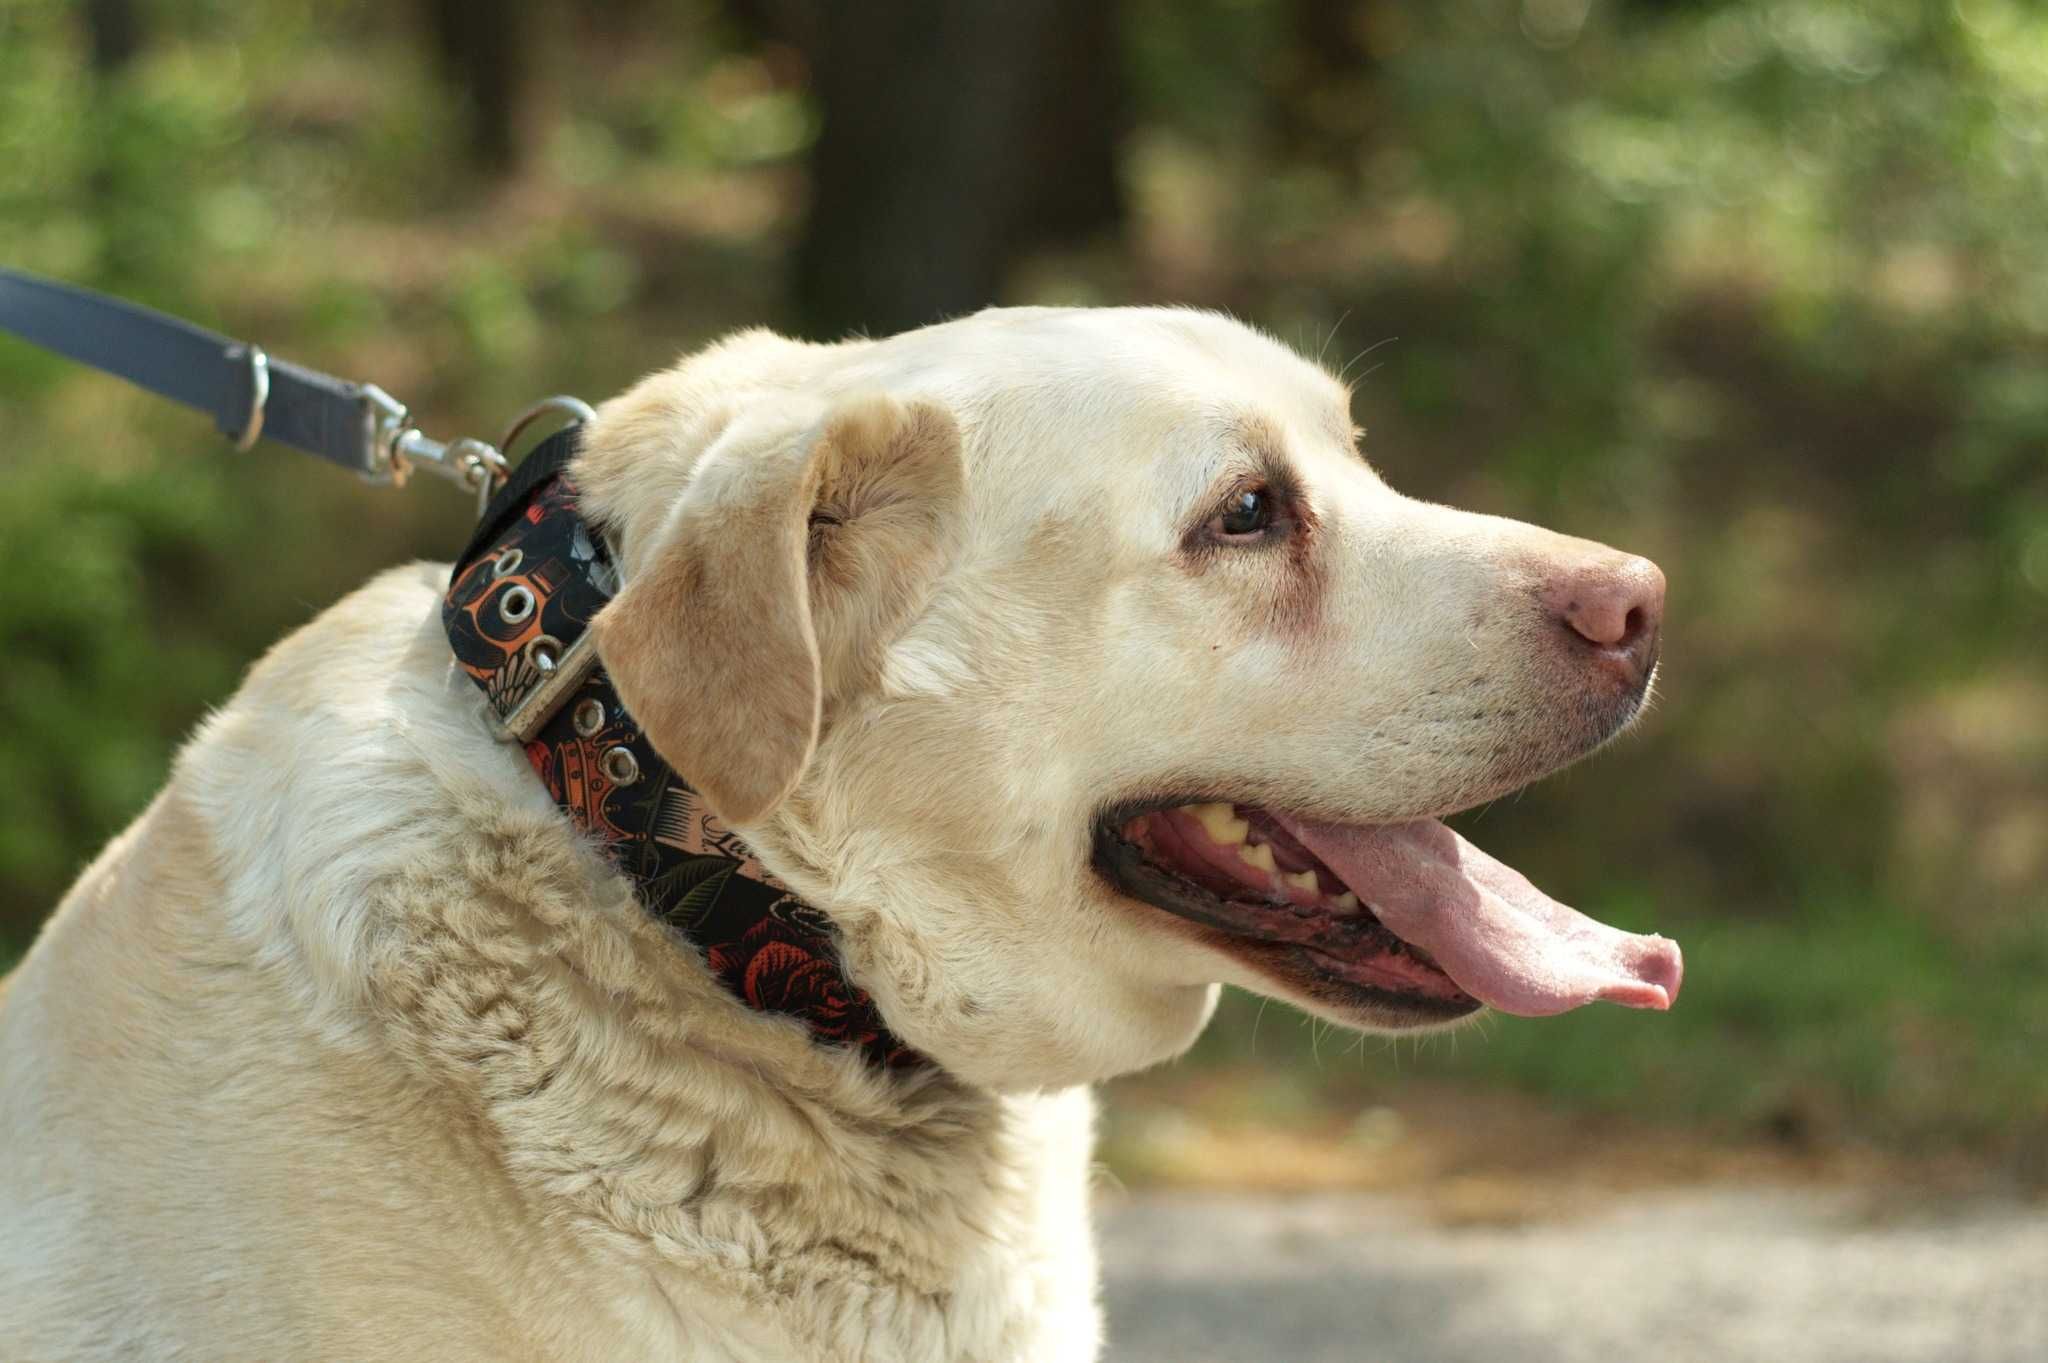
[[544, 652], [515, 605], [507, 562], [589, 718], [619, 766]]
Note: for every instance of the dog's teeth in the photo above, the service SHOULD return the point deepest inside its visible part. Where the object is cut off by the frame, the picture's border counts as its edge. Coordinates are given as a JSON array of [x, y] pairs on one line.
[[1258, 855], [1345, 903], [1302, 880], [1221, 823]]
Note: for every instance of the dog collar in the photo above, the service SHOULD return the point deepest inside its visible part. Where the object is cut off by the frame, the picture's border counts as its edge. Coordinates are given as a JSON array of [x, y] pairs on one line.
[[518, 612]]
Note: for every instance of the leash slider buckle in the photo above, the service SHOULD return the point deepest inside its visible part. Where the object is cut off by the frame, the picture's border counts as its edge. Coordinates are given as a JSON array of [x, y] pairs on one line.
[[259, 393]]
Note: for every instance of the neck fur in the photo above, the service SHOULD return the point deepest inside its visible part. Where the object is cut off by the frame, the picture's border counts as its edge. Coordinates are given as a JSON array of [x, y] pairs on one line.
[[611, 1078]]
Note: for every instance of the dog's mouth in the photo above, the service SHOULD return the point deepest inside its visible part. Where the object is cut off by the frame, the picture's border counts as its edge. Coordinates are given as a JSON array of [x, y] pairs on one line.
[[1404, 923]]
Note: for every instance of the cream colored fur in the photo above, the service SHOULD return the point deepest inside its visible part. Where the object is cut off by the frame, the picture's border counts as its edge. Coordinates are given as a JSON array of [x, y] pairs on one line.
[[349, 1049]]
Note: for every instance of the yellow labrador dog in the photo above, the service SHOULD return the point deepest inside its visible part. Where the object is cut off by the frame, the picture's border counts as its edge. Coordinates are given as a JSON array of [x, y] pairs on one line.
[[1066, 662]]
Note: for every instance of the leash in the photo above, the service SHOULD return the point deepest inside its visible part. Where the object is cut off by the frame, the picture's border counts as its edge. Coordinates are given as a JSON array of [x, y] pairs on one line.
[[251, 396], [517, 613]]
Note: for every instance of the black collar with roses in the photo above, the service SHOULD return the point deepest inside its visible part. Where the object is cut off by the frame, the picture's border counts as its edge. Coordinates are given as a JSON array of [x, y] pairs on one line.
[[518, 612]]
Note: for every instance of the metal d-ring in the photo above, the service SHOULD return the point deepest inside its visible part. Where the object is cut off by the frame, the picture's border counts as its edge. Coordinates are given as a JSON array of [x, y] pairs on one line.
[[259, 394], [576, 408]]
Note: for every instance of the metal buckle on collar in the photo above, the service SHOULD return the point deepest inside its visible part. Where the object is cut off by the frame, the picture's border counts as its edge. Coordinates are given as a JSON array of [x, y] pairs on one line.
[[561, 673]]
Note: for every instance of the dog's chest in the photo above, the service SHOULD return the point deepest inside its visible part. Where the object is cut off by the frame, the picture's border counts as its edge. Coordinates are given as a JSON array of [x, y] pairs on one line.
[[742, 1192], [939, 1261]]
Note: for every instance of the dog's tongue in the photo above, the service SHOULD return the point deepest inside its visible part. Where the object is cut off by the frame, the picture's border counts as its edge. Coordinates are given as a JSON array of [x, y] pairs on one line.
[[1504, 941]]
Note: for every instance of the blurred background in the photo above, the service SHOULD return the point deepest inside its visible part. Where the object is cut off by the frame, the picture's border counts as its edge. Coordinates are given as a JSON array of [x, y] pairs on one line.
[[1758, 288]]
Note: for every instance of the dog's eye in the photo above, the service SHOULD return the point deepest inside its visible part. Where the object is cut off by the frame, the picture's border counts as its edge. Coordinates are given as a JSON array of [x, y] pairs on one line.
[[1248, 512]]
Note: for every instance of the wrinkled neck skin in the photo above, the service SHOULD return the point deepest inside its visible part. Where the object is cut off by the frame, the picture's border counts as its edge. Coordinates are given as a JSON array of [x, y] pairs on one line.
[[677, 1145]]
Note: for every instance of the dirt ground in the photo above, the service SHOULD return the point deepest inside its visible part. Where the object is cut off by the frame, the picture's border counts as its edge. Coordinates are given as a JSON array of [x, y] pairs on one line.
[[1719, 1274], [1451, 1226]]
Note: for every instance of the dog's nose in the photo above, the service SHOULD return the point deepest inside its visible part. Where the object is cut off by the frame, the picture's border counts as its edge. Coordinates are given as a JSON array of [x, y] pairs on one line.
[[1615, 604]]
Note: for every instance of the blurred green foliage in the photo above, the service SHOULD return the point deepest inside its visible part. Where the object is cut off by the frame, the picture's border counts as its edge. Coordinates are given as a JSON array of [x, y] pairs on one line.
[[1757, 288]]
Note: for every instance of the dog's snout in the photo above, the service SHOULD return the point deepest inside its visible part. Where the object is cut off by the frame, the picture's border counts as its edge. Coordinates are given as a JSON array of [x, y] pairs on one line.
[[1615, 604]]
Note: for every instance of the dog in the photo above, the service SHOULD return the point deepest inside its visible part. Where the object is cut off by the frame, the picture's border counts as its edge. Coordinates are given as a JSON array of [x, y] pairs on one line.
[[1070, 662]]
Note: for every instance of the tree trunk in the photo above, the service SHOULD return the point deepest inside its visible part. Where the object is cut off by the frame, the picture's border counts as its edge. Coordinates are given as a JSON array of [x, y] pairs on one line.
[[481, 50], [958, 134], [1320, 108], [113, 34]]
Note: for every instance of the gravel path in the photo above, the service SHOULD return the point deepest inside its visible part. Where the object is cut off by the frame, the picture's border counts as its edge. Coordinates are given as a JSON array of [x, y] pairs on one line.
[[1718, 1275]]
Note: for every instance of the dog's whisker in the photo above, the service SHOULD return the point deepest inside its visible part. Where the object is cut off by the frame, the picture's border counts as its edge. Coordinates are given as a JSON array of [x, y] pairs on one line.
[[1335, 327], [1361, 355]]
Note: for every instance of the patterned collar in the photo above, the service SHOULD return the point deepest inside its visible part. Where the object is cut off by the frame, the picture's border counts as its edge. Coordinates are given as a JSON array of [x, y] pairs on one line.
[[519, 605]]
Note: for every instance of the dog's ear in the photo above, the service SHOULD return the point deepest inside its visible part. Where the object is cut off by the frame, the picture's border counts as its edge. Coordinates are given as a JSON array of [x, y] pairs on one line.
[[785, 568]]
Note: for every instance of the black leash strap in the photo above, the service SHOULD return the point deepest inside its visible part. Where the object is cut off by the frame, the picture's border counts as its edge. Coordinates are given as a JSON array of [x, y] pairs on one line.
[[245, 392], [249, 395]]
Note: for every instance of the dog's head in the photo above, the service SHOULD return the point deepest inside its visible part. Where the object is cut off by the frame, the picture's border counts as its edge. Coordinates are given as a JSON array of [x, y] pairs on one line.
[[1075, 661]]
